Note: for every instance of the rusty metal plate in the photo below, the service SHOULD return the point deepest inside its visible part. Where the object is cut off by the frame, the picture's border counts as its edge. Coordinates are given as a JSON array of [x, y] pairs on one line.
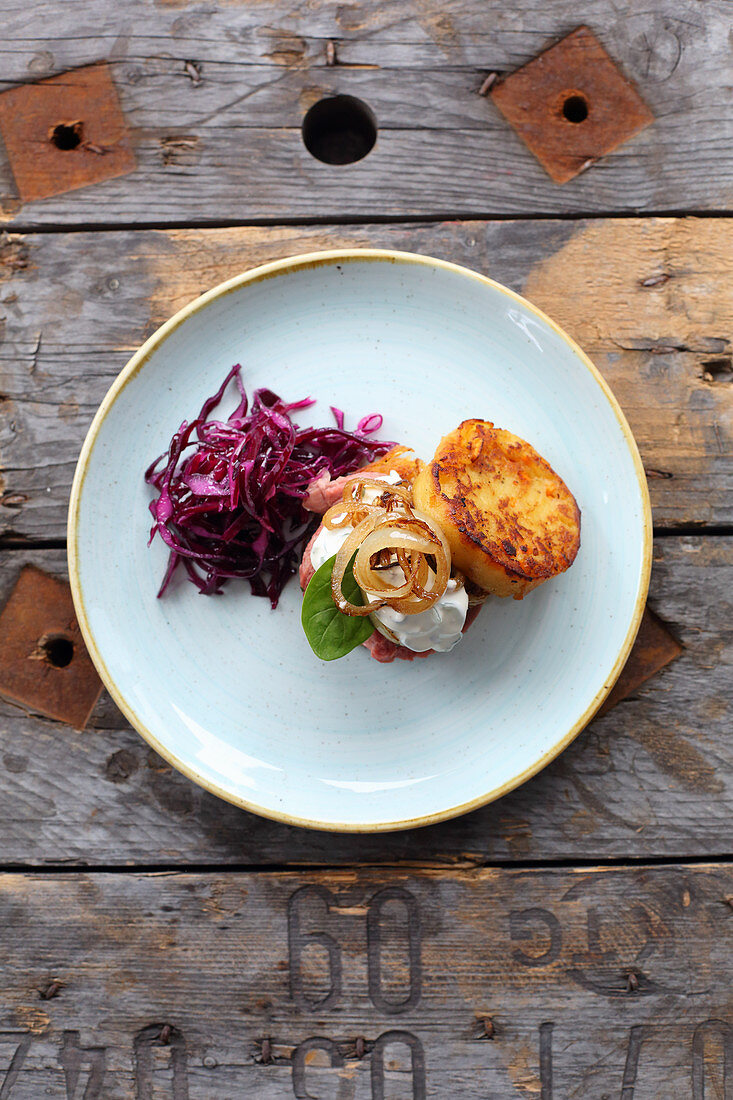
[[65, 132], [44, 664], [571, 105], [653, 649]]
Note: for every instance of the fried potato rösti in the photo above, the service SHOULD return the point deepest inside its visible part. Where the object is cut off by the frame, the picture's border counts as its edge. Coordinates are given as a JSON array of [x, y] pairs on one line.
[[510, 520]]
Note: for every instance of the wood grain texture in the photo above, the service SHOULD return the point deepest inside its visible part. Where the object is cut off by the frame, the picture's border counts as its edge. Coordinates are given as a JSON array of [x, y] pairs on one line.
[[452, 976], [215, 96], [653, 777], [655, 312], [357, 984]]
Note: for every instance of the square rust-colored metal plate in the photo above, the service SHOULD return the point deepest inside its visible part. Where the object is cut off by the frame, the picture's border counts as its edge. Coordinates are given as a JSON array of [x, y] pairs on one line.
[[571, 105], [653, 649], [44, 664], [64, 132]]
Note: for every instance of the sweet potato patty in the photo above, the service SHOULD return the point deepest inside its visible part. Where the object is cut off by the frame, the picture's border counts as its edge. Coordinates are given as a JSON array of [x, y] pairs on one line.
[[511, 522]]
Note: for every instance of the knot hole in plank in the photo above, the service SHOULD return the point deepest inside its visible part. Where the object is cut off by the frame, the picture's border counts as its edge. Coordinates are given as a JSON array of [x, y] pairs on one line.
[[339, 129]]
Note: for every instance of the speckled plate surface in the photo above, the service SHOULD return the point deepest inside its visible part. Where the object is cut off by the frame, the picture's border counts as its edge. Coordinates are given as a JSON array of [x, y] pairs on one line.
[[228, 691]]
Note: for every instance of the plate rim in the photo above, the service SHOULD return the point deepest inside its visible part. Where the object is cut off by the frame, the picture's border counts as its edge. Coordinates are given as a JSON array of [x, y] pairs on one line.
[[138, 360]]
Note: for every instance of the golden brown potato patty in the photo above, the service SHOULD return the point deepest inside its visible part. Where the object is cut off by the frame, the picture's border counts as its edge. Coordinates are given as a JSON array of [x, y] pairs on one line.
[[511, 522]]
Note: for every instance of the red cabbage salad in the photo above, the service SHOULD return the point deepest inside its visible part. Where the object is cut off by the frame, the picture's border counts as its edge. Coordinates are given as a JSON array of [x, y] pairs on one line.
[[229, 492]]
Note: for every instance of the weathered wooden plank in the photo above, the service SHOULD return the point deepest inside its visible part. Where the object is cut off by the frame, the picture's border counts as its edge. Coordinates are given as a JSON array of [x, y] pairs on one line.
[[651, 302], [360, 984], [234, 81], [411, 35], [653, 777]]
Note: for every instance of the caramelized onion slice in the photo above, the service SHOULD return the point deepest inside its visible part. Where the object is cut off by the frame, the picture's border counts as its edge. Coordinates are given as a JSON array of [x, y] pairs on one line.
[[390, 528], [402, 534], [411, 541], [343, 558], [354, 489], [349, 513], [352, 507]]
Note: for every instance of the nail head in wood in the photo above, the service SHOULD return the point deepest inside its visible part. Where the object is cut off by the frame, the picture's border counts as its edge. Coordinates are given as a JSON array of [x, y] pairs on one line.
[[51, 990], [65, 132], [571, 105], [485, 1028], [488, 84], [44, 665]]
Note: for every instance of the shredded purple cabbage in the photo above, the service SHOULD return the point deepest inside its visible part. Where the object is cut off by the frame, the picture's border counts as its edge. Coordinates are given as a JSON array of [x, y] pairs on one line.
[[230, 491]]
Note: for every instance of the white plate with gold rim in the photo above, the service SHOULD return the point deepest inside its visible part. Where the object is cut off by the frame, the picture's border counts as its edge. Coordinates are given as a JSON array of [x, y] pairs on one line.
[[229, 691]]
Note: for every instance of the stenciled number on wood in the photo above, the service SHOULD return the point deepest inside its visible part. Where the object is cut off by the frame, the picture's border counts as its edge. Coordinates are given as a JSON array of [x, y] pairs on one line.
[[16, 1062], [299, 941], [712, 1036], [522, 923], [346, 1085], [374, 950], [74, 1058], [590, 968], [145, 1045], [724, 1033], [628, 1084], [419, 1084], [636, 1037], [546, 1061], [317, 1042]]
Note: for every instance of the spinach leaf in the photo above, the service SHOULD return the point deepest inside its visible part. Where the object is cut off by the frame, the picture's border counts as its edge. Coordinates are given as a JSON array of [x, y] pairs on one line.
[[332, 634]]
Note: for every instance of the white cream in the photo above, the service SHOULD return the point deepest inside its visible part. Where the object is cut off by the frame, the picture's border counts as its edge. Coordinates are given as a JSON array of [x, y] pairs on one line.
[[438, 628], [327, 544]]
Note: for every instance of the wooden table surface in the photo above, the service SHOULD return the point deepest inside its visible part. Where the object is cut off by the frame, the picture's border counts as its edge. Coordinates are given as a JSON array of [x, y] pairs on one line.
[[572, 940]]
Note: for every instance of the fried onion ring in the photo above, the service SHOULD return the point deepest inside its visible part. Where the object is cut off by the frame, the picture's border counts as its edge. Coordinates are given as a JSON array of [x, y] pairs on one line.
[[388, 533]]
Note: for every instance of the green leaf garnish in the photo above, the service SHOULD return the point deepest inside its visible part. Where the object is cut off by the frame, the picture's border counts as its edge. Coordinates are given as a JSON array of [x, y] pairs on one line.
[[332, 634]]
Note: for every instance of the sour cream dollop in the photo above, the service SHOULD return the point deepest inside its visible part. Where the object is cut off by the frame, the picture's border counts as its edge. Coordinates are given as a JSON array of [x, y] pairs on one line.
[[438, 628]]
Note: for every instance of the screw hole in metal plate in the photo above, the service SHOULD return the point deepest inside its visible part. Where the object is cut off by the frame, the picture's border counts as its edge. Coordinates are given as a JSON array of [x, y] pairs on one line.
[[67, 135], [575, 108], [58, 650]]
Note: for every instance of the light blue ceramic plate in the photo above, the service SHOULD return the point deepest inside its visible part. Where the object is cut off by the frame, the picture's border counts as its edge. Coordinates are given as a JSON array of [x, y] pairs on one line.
[[229, 691]]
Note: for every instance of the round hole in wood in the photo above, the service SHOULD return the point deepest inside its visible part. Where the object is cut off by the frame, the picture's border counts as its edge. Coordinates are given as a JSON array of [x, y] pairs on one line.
[[67, 135], [575, 108], [339, 130], [58, 650]]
